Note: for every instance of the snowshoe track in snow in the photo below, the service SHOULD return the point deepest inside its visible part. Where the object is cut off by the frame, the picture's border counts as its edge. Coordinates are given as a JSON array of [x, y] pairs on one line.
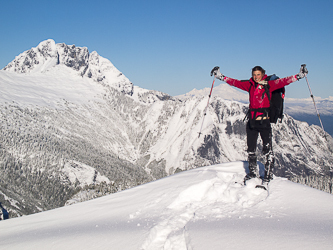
[[220, 193]]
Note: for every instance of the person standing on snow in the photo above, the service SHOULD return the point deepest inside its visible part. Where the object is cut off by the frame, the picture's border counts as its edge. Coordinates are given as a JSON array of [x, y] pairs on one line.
[[260, 89]]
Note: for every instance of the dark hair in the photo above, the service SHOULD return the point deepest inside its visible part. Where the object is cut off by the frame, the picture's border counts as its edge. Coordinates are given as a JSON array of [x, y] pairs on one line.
[[258, 68]]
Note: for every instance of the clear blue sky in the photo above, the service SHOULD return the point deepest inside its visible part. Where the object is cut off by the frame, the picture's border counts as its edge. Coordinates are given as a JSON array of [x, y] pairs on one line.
[[171, 46]]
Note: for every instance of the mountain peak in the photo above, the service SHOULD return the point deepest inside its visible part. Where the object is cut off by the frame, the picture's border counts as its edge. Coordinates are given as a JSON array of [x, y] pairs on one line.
[[48, 47], [48, 55]]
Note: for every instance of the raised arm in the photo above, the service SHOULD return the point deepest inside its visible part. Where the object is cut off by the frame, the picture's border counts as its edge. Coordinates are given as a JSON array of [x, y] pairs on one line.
[[279, 83], [244, 85]]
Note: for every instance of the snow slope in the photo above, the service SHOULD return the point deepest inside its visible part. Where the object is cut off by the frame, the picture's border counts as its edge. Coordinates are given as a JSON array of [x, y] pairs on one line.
[[50, 89], [204, 208]]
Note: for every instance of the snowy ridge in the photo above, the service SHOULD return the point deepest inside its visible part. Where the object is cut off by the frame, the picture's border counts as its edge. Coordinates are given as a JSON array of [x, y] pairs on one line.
[[205, 208], [222, 90]]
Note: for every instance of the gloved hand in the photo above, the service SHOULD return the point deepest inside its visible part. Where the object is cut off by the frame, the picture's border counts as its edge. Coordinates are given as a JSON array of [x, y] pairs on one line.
[[302, 72], [216, 72]]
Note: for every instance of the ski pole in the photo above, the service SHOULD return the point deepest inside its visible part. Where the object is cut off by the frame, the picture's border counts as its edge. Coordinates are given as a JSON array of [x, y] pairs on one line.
[[314, 103], [205, 110]]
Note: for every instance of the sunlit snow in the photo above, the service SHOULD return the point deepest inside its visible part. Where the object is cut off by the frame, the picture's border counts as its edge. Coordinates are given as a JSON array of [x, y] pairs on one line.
[[204, 208]]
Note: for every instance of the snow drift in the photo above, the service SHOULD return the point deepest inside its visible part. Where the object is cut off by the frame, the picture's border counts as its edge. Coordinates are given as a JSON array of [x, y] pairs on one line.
[[204, 208]]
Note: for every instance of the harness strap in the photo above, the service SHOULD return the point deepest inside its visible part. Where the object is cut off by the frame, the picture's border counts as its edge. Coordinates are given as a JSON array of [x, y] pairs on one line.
[[266, 87], [265, 111]]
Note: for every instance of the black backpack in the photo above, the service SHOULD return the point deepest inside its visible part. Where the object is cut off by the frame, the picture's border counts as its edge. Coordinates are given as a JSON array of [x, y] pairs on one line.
[[276, 102]]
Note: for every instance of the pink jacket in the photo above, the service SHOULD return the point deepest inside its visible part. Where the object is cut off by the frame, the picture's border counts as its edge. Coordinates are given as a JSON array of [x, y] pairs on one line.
[[257, 98]]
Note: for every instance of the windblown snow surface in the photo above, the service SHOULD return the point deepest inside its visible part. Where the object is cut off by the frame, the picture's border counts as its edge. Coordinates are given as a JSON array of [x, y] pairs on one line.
[[204, 208]]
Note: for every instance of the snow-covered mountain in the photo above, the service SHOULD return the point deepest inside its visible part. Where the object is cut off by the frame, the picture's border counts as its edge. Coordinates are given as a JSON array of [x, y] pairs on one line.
[[47, 55], [304, 110], [306, 106], [204, 208], [74, 128]]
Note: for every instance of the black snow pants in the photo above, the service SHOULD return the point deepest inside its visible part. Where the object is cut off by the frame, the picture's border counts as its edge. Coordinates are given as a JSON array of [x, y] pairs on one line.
[[262, 128]]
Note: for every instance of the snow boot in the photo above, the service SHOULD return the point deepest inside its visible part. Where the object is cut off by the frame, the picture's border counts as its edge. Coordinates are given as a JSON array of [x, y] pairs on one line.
[[253, 170], [269, 166]]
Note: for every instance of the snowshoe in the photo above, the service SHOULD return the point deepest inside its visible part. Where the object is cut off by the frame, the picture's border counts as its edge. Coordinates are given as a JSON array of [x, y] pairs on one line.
[[263, 185], [252, 182]]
